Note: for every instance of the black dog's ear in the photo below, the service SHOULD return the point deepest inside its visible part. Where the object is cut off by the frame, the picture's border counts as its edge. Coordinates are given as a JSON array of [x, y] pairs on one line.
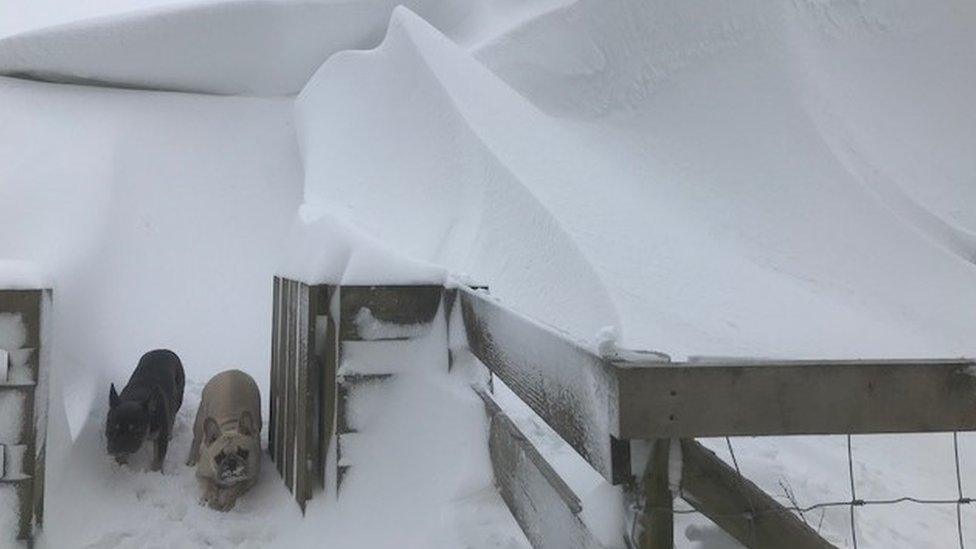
[[211, 431], [113, 397], [245, 425]]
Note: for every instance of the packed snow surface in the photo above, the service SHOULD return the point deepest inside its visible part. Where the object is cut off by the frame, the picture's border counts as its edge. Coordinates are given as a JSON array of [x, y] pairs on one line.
[[754, 178]]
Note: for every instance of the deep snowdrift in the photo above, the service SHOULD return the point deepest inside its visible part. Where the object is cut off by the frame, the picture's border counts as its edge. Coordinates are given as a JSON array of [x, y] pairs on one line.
[[745, 178], [694, 174]]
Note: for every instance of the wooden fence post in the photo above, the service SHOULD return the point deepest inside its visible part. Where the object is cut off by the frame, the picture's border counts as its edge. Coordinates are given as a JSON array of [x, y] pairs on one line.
[[657, 519]]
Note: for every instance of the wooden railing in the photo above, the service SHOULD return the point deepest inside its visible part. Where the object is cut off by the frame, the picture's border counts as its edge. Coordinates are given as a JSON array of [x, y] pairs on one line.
[[609, 411], [601, 407]]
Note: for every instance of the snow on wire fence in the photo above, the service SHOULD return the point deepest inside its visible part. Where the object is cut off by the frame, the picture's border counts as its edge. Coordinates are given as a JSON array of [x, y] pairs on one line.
[[632, 419]]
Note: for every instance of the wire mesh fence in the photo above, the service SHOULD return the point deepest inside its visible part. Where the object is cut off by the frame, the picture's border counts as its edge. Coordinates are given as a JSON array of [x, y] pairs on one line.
[[851, 503]]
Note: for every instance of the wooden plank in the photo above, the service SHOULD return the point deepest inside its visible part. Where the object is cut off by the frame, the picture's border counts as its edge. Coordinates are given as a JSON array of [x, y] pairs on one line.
[[282, 377], [275, 322], [738, 506], [568, 386], [544, 506], [404, 305], [657, 520], [302, 397], [661, 400], [329, 364], [26, 303], [290, 359]]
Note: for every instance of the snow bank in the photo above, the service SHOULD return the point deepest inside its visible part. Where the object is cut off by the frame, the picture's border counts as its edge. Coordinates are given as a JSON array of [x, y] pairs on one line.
[[252, 47], [699, 222], [407, 169], [320, 248], [22, 275]]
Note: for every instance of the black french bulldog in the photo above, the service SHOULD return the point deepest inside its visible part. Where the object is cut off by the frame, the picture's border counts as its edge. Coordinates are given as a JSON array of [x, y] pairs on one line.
[[146, 408]]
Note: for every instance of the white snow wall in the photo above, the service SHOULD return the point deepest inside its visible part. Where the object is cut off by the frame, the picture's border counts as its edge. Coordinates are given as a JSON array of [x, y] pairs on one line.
[[710, 176]]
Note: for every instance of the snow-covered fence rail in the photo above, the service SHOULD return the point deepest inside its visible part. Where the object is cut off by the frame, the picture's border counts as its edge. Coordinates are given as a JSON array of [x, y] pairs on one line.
[[602, 407], [23, 411]]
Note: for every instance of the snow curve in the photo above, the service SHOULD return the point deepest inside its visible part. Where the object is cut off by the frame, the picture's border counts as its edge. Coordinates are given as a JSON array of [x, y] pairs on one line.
[[238, 47]]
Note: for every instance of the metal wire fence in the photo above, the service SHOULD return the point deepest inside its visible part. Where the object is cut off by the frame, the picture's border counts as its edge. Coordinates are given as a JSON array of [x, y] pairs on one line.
[[852, 503]]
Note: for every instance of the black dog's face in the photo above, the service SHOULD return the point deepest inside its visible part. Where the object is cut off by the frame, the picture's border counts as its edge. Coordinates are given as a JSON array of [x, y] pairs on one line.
[[126, 427]]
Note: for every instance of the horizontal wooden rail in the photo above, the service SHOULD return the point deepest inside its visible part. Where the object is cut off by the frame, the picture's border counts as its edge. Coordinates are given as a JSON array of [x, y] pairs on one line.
[[795, 397], [570, 388], [399, 305], [543, 505], [738, 506], [595, 403]]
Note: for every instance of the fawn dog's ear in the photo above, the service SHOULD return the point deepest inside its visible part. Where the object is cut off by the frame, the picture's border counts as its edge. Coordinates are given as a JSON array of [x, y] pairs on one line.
[[211, 431], [113, 397]]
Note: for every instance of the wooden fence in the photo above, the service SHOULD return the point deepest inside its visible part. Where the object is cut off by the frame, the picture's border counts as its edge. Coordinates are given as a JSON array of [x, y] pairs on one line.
[[24, 316], [601, 407], [605, 409]]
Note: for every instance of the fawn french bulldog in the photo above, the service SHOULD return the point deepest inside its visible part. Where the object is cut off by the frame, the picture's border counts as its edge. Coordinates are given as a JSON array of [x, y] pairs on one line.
[[226, 445], [146, 408]]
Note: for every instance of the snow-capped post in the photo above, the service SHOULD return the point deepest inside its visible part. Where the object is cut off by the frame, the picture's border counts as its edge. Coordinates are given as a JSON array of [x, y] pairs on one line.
[[25, 340]]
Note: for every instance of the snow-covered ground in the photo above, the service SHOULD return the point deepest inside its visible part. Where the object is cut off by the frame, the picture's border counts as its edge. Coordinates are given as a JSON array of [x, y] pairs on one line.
[[758, 178]]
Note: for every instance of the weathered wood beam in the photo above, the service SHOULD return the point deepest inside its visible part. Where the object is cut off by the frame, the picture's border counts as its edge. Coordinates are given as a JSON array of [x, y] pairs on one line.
[[404, 305], [680, 400], [569, 387], [543, 505], [657, 520], [738, 506], [275, 343]]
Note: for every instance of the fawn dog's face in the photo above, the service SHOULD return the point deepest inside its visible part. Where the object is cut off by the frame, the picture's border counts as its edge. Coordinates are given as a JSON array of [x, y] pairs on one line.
[[232, 454]]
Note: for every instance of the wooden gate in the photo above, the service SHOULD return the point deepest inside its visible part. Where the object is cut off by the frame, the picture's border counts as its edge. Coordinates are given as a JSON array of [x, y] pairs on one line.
[[23, 409], [308, 399]]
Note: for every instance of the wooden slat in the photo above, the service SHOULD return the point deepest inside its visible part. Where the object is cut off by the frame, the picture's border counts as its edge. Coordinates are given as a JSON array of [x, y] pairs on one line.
[[291, 358], [569, 387], [738, 506], [275, 323], [330, 361], [282, 377], [661, 400], [302, 397], [26, 303], [392, 304], [543, 505]]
